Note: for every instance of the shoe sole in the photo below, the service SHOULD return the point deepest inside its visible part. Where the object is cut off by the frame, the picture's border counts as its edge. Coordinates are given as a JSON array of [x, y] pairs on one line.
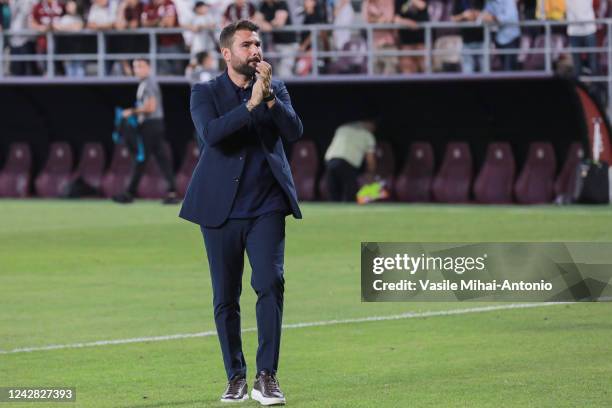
[[257, 396], [235, 401]]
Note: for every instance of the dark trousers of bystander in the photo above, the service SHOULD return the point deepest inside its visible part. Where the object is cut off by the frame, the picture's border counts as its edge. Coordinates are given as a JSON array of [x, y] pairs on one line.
[[510, 61], [341, 180], [580, 42], [152, 132]]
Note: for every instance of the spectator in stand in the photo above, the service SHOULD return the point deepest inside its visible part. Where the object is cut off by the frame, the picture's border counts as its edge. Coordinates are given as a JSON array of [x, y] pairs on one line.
[[239, 10], [22, 44], [202, 69], [203, 25], [312, 15], [162, 14], [274, 14], [44, 14], [504, 13], [410, 13], [129, 15], [101, 17], [469, 11], [70, 22], [344, 14], [582, 35], [381, 12]]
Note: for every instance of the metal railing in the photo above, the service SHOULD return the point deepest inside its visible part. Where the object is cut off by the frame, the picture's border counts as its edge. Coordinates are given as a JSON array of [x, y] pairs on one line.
[[364, 59]]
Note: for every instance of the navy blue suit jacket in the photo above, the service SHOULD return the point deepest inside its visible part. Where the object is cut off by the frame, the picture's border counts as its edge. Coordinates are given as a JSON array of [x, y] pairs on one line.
[[221, 121]]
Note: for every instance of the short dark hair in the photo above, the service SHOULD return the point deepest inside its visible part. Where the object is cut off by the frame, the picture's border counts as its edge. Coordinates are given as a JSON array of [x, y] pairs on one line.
[[227, 35], [201, 56], [142, 59]]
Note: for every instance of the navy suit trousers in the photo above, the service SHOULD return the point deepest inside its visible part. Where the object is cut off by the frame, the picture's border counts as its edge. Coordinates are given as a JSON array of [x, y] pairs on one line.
[[263, 238]]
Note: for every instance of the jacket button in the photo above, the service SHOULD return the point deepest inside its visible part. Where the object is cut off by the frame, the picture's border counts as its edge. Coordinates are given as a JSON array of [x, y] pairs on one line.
[[236, 179], [241, 158]]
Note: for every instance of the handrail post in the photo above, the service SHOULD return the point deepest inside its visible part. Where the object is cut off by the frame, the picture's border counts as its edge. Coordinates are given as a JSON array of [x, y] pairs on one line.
[[370, 40], [101, 53], [50, 55], [153, 52], [486, 49], [547, 48], [428, 47], [314, 49]]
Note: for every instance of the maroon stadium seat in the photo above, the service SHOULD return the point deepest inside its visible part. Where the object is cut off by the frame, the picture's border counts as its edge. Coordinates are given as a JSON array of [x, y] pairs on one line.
[[536, 181], [183, 177], [305, 167], [153, 184], [496, 178], [564, 185], [15, 176], [55, 175], [117, 177], [452, 183], [91, 165], [414, 181]]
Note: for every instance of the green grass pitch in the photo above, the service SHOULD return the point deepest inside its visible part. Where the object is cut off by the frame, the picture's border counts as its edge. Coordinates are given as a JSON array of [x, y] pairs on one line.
[[76, 272]]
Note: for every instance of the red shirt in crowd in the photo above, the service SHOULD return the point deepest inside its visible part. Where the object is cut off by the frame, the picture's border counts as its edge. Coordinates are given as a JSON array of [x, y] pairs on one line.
[[155, 11], [47, 11]]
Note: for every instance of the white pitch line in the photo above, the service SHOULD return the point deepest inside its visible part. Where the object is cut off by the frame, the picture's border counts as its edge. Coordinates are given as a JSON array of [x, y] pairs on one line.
[[408, 315]]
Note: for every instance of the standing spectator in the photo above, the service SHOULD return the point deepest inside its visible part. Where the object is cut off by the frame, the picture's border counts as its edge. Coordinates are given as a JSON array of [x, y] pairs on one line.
[[101, 18], [239, 10], [202, 69], [70, 22], [312, 15], [22, 44], [582, 35], [381, 12], [344, 14], [129, 18], [505, 13], [410, 13], [44, 14], [203, 25], [162, 14], [274, 14], [351, 143], [469, 11]]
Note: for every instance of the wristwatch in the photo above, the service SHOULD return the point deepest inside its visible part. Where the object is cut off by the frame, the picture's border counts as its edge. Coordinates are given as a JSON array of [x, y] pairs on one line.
[[270, 96]]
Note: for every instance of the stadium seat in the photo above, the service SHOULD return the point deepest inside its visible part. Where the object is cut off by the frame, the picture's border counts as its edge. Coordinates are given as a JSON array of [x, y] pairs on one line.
[[91, 165], [495, 180], [564, 185], [183, 177], [305, 167], [452, 183], [117, 177], [536, 182], [153, 184], [414, 181], [354, 64], [15, 175], [55, 175], [536, 61]]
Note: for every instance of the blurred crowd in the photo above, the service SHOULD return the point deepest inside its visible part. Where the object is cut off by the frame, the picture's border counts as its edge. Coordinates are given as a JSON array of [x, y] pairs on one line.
[[201, 20]]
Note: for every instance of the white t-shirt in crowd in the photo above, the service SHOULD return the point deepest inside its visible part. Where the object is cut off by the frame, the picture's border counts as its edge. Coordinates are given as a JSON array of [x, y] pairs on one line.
[[580, 10]]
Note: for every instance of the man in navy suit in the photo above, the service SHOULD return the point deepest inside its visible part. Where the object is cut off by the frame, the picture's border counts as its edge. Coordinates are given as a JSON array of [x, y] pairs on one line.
[[240, 193]]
